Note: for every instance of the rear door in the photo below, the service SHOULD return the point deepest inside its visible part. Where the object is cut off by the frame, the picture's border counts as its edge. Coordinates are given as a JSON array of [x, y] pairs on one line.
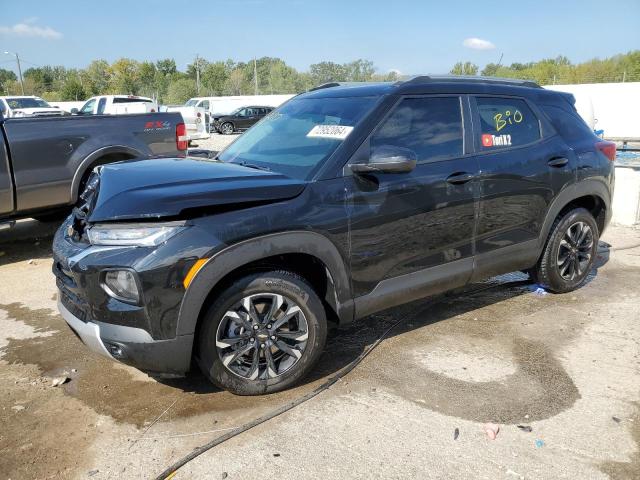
[[412, 232], [523, 166]]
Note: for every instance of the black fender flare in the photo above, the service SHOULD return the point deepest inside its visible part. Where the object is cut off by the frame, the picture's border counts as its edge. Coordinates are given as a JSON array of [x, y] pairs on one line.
[[242, 253], [583, 188], [87, 163]]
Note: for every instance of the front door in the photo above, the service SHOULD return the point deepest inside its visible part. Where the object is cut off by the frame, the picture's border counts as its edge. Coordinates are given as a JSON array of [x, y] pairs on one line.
[[412, 233]]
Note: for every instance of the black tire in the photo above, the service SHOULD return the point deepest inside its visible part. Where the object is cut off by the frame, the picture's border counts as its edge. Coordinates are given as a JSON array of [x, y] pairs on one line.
[[292, 288], [549, 270], [58, 216], [227, 128]]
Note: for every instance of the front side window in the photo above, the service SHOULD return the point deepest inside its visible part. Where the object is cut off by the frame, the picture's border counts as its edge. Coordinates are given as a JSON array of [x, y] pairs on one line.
[[298, 137], [506, 122], [430, 126], [87, 108]]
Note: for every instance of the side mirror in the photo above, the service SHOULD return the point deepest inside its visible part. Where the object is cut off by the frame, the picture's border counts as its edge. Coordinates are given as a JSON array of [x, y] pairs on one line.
[[388, 159], [74, 111]]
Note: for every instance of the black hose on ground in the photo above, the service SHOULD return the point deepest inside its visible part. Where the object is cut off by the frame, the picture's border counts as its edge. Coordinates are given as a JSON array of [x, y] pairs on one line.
[[170, 471]]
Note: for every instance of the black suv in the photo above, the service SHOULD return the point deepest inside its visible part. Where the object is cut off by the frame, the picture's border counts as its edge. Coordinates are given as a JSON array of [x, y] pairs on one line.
[[240, 119], [344, 201]]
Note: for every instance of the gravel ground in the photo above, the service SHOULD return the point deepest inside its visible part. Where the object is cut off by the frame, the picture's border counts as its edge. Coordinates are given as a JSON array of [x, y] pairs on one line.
[[568, 366], [216, 142]]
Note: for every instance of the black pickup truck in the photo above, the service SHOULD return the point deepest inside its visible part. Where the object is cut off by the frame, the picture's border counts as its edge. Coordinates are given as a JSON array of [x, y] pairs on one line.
[[44, 162]]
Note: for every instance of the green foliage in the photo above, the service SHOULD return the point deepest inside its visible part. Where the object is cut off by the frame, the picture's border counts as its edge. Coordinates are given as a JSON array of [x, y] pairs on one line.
[[466, 68], [180, 91], [6, 77], [560, 70], [162, 80]]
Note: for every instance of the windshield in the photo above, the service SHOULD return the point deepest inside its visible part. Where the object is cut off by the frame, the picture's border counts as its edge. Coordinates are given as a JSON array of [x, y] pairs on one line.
[[299, 136], [191, 103], [27, 103], [236, 110]]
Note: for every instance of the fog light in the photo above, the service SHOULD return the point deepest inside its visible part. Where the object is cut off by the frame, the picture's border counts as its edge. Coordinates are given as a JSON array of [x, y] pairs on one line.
[[114, 350], [122, 285]]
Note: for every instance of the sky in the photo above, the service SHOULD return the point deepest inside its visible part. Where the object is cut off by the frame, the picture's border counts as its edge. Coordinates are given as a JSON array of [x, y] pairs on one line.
[[409, 36]]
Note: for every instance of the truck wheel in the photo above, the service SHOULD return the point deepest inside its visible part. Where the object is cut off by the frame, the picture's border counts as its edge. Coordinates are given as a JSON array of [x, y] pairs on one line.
[[226, 128], [569, 253], [263, 334]]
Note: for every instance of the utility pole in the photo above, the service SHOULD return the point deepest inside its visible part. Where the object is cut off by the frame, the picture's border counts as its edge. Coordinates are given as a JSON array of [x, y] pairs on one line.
[[624, 76], [197, 74], [19, 69], [255, 75]]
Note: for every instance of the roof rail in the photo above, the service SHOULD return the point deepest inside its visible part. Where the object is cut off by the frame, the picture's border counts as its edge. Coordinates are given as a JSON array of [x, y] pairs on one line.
[[469, 78], [344, 84], [324, 85]]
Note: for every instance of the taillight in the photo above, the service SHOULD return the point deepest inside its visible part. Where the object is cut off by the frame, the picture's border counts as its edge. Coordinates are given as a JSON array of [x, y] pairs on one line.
[[608, 148], [153, 110], [182, 143], [198, 114]]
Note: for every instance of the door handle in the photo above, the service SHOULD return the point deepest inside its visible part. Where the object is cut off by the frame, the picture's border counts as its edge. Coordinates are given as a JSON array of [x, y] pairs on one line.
[[460, 178], [558, 162]]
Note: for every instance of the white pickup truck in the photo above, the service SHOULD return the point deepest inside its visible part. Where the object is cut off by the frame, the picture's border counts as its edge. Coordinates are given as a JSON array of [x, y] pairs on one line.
[[116, 105], [27, 106], [196, 119]]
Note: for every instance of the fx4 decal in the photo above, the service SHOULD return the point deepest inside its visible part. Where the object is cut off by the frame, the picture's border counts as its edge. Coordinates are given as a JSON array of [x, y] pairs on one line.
[[157, 125]]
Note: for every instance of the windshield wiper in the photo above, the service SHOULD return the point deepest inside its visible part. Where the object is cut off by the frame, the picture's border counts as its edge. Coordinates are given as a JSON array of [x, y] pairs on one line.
[[253, 165]]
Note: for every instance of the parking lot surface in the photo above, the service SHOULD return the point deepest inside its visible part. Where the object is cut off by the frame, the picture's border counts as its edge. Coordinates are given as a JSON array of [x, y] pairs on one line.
[[502, 352]]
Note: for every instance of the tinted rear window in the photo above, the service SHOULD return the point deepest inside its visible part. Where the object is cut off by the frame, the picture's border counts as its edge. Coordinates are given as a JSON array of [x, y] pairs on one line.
[[506, 122], [131, 100], [569, 125]]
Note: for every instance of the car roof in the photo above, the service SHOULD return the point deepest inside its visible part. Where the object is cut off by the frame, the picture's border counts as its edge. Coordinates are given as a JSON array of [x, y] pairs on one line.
[[431, 84]]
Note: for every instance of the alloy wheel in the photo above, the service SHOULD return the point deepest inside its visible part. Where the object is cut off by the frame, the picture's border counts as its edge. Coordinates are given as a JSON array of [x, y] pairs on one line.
[[262, 336], [574, 252], [227, 129]]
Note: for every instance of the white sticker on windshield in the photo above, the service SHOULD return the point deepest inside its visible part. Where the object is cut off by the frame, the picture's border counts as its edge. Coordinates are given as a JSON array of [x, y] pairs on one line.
[[339, 132]]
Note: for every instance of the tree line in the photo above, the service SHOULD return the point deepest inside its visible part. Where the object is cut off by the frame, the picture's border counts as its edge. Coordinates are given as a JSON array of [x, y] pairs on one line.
[[560, 70], [268, 75]]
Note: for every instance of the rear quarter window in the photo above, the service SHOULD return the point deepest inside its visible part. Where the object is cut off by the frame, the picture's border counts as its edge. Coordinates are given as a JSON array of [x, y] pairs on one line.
[[569, 125], [506, 122]]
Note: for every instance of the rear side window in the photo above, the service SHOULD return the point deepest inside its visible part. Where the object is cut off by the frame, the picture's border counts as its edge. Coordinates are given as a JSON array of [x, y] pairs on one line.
[[101, 104], [430, 126], [569, 125], [130, 100], [506, 122]]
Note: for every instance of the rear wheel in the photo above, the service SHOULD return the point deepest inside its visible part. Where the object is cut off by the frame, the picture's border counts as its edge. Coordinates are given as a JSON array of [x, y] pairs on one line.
[[263, 334], [226, 128], [569, 253]]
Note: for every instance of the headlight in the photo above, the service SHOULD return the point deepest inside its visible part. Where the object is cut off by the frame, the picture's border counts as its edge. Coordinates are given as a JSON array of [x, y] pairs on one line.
[[122, 285], [138, 235]]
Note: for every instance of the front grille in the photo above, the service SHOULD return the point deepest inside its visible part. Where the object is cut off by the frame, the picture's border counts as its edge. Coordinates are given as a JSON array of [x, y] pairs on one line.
[[72, 304], [68, 291]]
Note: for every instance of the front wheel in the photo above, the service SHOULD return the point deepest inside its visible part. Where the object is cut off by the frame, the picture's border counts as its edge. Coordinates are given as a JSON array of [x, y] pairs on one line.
[[226, 128], [569, 253], [263, 334]]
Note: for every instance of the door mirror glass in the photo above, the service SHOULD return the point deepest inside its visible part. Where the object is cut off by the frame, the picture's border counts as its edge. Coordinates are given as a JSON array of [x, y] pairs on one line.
[[388, 159]]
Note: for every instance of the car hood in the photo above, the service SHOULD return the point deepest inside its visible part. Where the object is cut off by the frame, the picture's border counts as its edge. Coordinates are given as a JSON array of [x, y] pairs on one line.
[[174, 187], [38, 110]]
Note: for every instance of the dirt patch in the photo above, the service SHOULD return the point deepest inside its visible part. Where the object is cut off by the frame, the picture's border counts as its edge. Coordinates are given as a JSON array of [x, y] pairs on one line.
[[627, 470], [110, 389]]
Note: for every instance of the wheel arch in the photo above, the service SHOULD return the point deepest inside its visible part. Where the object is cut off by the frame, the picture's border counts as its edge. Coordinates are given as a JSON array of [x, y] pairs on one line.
[[309, 254], [101, 156], [592, 195]]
